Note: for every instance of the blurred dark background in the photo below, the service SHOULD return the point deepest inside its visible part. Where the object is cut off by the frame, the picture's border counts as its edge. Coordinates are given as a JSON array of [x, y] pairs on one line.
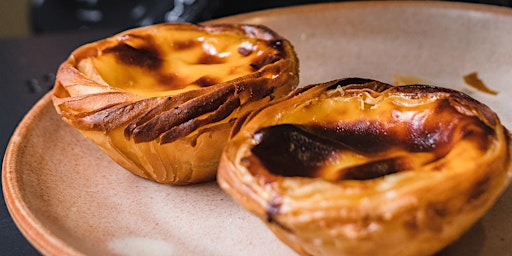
[[52, 15], [36, 17]]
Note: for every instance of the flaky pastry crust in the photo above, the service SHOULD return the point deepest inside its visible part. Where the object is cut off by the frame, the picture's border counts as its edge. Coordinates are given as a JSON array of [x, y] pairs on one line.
[[160, 100], [359, 167]]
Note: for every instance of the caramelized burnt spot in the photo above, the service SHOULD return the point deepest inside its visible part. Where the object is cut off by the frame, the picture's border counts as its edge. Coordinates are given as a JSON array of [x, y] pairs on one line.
[[312, 151], [288, 150], [278, 45], [302, 151], [375, 169], [349, 81], [268, 58], [176, 119], [146, 57], [264, 60], [206, 81], [363, 136]]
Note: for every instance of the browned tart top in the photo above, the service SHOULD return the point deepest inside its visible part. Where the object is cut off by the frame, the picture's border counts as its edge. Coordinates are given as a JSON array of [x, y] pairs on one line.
[[359, 129], [165, 81]]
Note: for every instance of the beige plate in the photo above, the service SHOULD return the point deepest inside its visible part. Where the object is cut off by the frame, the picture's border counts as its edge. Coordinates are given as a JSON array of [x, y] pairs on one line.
[[69, 198]]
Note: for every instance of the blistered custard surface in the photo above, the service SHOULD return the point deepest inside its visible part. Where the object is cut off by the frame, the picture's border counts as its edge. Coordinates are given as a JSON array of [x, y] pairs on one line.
[[171, 62], [157, 68], [349, 135], [355, 167], [161, 99]]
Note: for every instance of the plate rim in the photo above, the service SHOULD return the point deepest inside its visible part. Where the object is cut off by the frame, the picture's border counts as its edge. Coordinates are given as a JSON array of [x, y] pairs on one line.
[[48, 243], [29, 225], [431, 4]]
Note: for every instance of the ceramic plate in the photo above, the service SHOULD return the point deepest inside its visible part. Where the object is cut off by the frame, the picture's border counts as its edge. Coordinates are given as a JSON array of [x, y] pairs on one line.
[[67, 197]]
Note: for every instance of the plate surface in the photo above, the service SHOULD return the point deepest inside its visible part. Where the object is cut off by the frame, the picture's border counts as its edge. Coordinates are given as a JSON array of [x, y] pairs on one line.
[[67, 197]]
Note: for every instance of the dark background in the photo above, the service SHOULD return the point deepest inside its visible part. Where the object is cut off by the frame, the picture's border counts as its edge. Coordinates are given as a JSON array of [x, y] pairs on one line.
[[28, 64]]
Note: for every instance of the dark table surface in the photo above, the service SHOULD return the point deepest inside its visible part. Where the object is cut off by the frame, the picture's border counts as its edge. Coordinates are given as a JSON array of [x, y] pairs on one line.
[[27, 72], [28, 69]]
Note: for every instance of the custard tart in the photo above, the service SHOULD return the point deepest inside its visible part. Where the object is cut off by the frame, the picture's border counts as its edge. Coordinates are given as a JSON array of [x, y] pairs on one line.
[[360, 167], [160, 100]]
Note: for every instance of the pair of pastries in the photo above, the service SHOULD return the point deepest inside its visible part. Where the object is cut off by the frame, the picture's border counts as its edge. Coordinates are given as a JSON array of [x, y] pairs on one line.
[[348, 167], [359, 167], [161, 100]]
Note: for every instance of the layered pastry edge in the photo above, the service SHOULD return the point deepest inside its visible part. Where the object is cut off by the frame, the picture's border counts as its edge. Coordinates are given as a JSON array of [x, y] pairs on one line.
[[361, 165], [160, 100]]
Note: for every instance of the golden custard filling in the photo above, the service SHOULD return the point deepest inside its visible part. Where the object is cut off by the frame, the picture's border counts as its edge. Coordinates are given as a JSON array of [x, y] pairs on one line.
[[355, 166], [360, 136], [175, 61], [364, 148], [160, 100]]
